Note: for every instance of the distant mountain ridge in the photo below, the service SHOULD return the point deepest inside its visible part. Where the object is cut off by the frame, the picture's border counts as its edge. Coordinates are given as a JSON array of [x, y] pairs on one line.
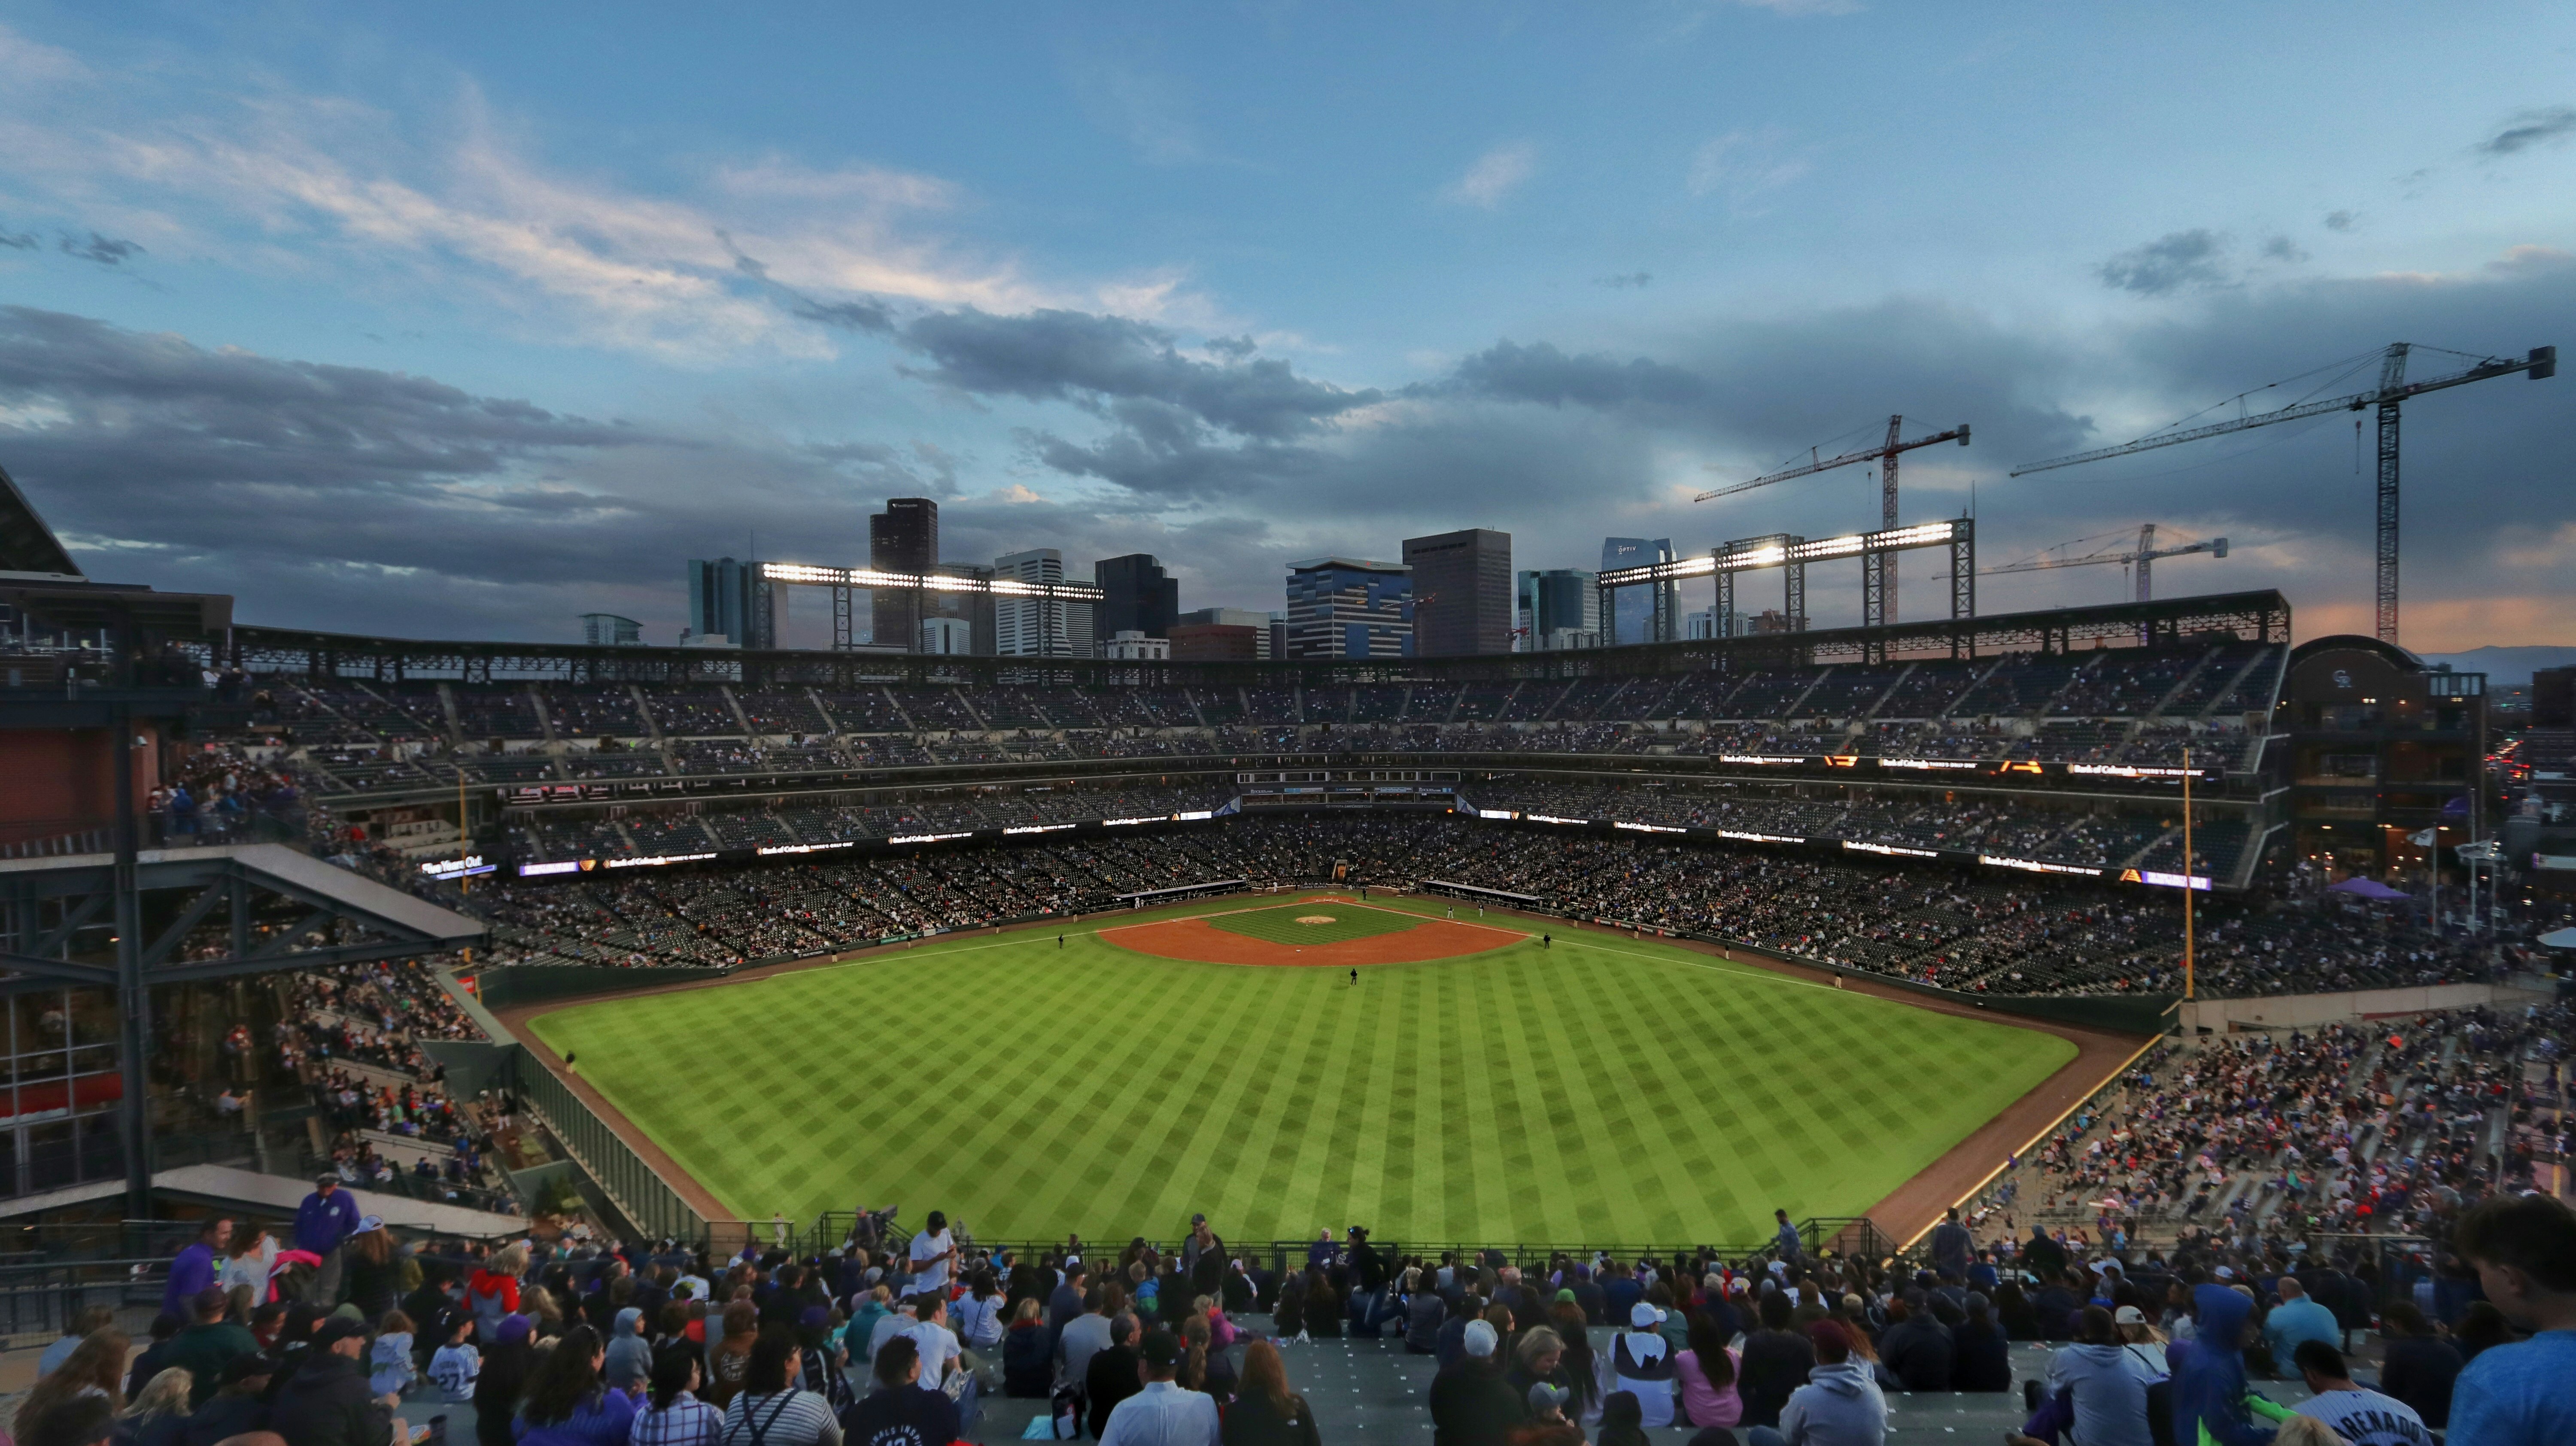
[[2504, 666]]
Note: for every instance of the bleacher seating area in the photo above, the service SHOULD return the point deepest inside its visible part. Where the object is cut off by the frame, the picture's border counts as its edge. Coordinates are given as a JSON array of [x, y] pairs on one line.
[[2342, 1129], [1973, 933], [2124, 705]]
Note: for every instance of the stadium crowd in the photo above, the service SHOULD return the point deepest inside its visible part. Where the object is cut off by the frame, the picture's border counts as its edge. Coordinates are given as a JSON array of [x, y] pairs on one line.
[[350, 1036], [1933, 925], [2385, 1130], [2132, 705], [889, 1337]]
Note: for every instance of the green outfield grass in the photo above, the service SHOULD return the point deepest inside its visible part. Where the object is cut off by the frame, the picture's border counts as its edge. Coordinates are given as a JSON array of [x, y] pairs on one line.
[[1280, 926], [1605, 1089]]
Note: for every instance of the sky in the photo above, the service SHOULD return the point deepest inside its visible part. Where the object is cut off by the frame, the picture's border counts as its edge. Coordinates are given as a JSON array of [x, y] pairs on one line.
[[463, 320]]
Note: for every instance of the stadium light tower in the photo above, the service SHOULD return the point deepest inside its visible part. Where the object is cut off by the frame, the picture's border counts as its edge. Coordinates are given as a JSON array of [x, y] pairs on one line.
[[2393, 388], [1879, 588]]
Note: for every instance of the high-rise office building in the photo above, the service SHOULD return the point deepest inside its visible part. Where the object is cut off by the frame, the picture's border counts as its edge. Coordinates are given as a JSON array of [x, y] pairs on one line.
[[608, 630], [1027, 627], [903, 538], [1635, 606], [730, 600], [1462, 592], [945, 636], [1350, 607], [1141, 597], [1557, 603]]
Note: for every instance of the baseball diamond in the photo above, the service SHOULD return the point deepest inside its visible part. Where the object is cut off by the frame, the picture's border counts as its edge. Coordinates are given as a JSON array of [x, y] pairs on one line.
[[1592, 1086]]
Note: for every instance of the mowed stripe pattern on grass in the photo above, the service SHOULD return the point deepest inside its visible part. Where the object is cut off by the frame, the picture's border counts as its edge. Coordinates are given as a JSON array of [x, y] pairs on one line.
[[1626, 1093], [1281, 925]]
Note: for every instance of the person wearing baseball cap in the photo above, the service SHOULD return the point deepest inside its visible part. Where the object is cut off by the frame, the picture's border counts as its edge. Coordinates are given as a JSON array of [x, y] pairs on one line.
[[327, 1402], [207, 1343], [323, 1223], [1547, 1424], [1164, 1413], [236, 1405], [1471, 1402]]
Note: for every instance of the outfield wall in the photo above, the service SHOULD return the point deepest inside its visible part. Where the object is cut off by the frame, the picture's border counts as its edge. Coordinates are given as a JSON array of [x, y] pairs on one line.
[[2301, 1011]]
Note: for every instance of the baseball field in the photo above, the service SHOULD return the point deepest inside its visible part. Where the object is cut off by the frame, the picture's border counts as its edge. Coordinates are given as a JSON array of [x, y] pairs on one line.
[[1472, 1085]]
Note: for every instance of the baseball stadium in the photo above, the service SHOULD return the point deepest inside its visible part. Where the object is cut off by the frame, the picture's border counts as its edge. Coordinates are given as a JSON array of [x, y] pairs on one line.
[[611, 836]]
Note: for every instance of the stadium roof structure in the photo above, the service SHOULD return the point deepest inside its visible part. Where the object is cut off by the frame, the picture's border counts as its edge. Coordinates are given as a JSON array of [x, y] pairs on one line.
[[274, 898], [27, 545], [2260, 616]]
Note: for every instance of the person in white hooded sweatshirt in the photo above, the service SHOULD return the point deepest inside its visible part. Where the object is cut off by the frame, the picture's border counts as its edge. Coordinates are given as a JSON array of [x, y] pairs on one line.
[[1641, 1360], [1839, 1406]]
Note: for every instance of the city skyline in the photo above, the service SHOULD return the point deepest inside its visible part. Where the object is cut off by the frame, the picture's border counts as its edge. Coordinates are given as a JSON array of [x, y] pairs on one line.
[[466, 323]]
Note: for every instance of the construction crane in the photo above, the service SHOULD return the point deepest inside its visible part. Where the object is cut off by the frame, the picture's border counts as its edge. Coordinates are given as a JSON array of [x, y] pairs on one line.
[[2393, 388], [2144, 555], [1885, 455]]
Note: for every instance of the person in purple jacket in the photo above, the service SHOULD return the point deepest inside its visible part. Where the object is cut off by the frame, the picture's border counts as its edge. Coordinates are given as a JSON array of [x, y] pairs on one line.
[[323, 1223], [194, 1267]]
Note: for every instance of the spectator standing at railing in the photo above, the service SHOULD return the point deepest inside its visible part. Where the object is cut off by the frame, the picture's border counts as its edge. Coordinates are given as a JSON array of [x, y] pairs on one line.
[[326, 1219], [193, 1268]]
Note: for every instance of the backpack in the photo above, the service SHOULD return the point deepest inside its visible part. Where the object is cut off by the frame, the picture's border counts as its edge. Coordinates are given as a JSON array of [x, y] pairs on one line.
[[1064, 1412], [2159, 1404]]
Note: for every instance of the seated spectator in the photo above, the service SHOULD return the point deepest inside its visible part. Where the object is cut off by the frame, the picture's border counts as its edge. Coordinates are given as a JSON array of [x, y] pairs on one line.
[[2297, 1319], [1163, 1413], [1706, 1374], [2357, 1416], [2419, 1366], [1471, 1403], [1840, 1405], [239, 1404], [1980, 1357], [1028, 1353], [772, 1410], [1916, 1349], [901, 1411], [326, 1402], [673, 1415]]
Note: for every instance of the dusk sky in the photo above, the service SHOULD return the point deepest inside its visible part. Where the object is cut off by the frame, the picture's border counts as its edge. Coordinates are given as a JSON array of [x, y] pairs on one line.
[[461, 320]]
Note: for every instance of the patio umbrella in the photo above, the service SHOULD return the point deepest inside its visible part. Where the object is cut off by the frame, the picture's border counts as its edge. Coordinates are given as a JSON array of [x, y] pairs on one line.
[[2562, 939], [2366, 889]]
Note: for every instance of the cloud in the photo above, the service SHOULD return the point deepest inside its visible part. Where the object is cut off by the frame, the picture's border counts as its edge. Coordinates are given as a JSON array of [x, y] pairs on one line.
[[1802, 7], [19, 240], [2282, 248], [2340, 220], [1494, 176], [1744, 166], [105, 250], [1147, 110], [352, 498], [2176, 261], [456, 203], [2547, 126], [1636, 280]]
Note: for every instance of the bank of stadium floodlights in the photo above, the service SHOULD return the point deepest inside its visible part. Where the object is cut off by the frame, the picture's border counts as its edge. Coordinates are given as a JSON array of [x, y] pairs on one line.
[[1791, 553], [842, 580]]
